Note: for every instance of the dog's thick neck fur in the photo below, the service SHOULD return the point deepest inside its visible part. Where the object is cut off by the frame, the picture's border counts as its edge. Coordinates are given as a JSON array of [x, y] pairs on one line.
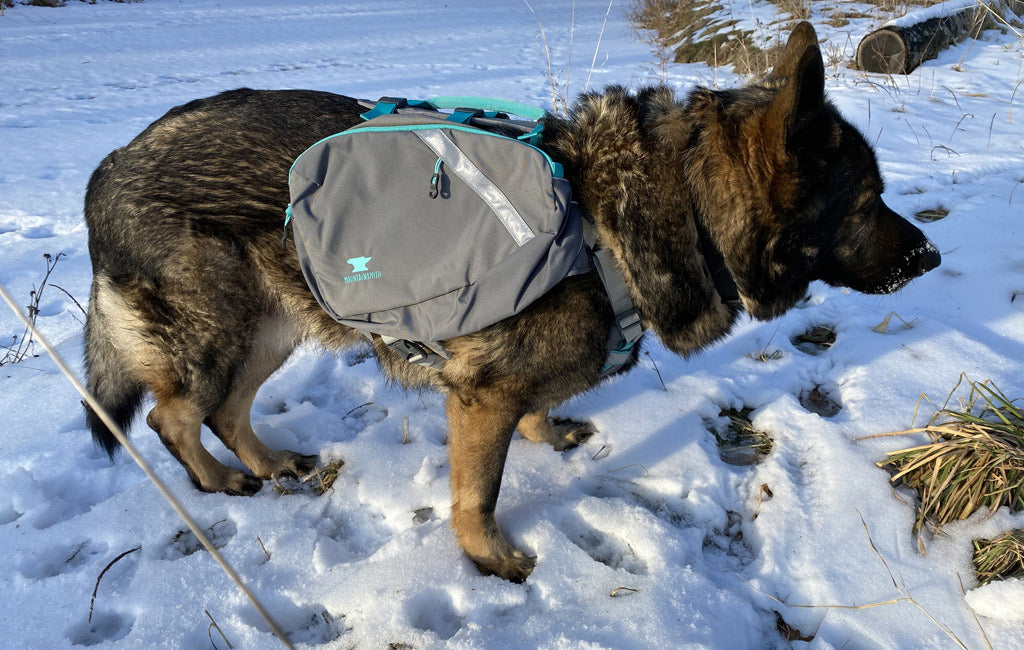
[[624, 155]]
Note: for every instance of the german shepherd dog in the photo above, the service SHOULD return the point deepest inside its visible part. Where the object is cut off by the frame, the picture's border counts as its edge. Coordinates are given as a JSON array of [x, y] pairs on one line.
[[195, 298]]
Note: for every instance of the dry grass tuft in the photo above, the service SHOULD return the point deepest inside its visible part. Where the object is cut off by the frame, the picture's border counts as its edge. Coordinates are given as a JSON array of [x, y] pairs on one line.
[[999, 558], [685, 32], [975, 458], [323, 478], [815, 340], [932, 214], [739, 443]]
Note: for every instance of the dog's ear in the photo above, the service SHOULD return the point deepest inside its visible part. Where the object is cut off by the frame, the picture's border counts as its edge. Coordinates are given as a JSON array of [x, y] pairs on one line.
[[801, 38], [803, 93]]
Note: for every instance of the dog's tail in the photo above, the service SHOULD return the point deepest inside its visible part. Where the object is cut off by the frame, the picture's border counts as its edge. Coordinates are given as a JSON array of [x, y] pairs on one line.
[[108, 376]]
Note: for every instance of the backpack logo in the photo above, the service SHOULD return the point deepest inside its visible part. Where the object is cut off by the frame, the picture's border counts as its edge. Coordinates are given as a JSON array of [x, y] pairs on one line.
[[359, 270], [359, 263]]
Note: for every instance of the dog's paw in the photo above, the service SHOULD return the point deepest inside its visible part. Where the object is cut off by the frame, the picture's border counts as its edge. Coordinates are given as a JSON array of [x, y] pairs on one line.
[[560, 433], [284, 464], [514, 567], [296, 465], [567, 433], [241, 484]]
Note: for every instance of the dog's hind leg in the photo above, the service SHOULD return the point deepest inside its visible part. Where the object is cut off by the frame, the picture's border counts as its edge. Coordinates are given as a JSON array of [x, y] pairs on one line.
[[273, 344], [560, 433], [178, 422], [480, 427]]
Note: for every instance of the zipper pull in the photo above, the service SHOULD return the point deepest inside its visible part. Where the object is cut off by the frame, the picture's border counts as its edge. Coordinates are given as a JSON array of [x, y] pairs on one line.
[[433, 180], [287, 219]]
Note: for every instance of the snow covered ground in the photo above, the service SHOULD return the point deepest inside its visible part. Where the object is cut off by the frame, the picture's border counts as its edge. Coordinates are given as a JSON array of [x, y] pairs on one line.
[[709, 556]]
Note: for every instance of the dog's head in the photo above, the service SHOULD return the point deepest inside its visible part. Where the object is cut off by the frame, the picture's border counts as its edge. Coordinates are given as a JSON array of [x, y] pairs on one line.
[[765, 187], [790, 192]]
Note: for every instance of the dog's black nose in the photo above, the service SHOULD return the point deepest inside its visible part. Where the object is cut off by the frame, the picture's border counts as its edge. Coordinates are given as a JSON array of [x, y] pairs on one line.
[[925, 259]]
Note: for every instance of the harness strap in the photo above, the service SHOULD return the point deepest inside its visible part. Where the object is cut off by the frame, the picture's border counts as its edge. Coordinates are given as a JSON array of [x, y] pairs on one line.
[[720, 276], [424, 354], [627, 329]]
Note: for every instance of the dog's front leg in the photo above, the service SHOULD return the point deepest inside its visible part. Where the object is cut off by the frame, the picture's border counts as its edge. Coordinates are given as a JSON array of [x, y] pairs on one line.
[[481, 425]]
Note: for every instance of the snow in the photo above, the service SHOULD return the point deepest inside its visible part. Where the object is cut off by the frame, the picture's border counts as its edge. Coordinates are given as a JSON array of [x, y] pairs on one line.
[[940, 10], [709, 552]]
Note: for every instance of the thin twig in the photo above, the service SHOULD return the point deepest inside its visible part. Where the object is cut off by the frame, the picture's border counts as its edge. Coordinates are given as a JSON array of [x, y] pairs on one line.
[[663, 387], [622, 590], [68, 294], [547, 55], [597, 47], [354, 409], [903, 597], [568, 67], [214, 626], [100, 577]]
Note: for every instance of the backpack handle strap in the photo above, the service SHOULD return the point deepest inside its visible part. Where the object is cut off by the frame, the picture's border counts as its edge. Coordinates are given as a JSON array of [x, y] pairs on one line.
[[528, 111], [389, 105]]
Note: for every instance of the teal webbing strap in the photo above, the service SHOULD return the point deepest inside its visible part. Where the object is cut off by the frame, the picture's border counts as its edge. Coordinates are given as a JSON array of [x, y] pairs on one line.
[[534, 136], [489, 104], [383, 107], [389, 105], [464, 115]]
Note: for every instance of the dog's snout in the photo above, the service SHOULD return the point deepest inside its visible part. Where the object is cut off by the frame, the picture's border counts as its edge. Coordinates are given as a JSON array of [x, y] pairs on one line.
[[925, 259]]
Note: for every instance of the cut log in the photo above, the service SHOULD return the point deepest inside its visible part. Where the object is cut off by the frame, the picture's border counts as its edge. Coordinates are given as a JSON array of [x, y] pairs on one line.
[[901, 45]]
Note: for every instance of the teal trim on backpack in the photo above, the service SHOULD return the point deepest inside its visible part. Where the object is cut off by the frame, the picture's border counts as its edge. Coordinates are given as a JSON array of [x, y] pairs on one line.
[[556, 168], [490, 104]]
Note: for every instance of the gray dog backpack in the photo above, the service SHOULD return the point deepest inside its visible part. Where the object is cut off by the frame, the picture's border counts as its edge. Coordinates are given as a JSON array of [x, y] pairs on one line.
[[421, 225]]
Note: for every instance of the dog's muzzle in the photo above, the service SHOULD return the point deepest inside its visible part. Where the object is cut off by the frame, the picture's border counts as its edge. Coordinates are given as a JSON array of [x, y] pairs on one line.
[[923, 259]]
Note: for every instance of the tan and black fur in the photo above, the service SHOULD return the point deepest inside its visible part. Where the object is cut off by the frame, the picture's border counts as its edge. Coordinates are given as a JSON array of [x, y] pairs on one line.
[[195, 299]]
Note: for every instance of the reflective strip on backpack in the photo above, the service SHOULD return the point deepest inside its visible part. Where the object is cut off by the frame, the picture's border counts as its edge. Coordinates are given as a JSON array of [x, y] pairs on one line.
[[489, 193]]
